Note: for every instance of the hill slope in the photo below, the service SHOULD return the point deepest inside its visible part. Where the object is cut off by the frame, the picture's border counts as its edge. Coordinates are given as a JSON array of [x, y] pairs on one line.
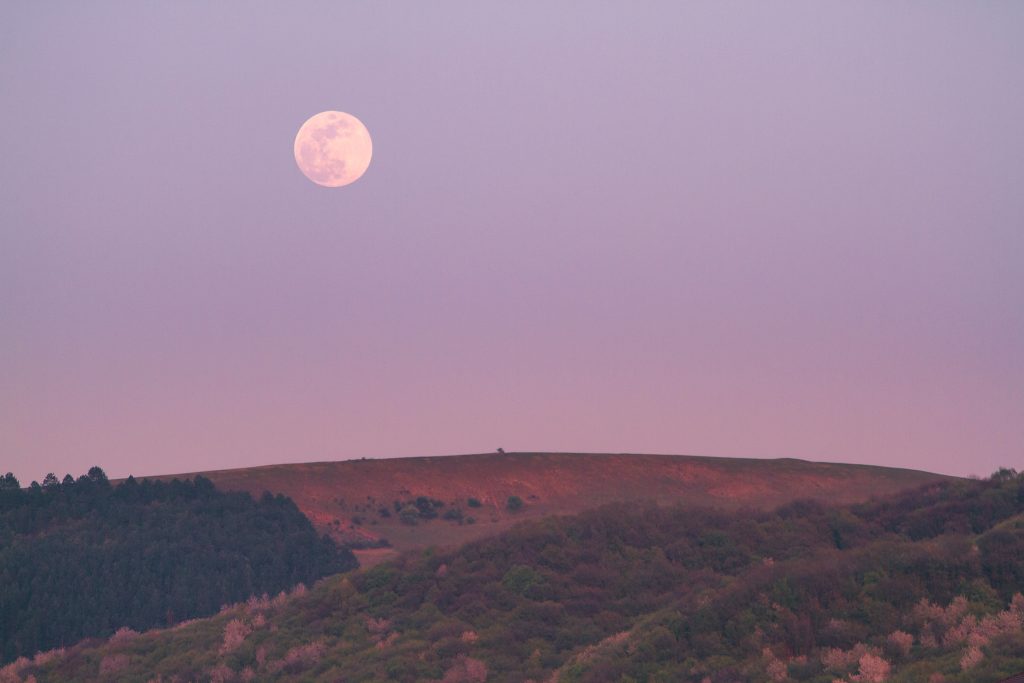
[[354, 492], [921, 587]]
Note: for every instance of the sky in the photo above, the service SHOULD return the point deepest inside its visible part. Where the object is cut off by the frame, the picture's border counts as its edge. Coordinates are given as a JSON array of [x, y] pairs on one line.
[[718, 228]]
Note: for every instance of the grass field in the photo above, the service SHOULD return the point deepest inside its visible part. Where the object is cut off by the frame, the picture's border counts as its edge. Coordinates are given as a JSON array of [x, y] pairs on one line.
[[344, 498]]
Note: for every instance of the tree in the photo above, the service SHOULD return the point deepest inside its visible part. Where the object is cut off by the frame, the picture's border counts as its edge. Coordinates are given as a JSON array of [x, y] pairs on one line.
[[50, 480], [873, 669], [466, 670], [1004, 474], [97, 475], [9, 482]]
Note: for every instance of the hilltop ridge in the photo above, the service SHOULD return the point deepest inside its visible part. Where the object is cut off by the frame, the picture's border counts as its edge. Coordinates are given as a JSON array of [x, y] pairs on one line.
[[346, 498]]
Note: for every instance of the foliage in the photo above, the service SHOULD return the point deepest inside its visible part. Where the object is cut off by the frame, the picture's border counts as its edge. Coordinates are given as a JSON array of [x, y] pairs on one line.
[[914, 587], [84, 558], [423, 509]]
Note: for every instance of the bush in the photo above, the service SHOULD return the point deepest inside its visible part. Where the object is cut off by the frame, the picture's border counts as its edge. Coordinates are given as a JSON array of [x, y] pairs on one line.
[[515, 503], [409, 515]]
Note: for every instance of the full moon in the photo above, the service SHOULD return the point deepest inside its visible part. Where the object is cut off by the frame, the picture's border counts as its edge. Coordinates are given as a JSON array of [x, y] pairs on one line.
[[333, 148]]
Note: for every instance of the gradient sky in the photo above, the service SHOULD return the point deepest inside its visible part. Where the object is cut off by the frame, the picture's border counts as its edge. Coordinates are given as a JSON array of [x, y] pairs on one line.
[[737, 229]]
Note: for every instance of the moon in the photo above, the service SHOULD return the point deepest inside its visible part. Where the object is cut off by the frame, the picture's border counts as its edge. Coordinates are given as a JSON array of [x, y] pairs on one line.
[[333, 148]]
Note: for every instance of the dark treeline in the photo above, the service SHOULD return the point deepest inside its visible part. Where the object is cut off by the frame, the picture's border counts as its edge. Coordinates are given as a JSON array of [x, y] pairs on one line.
[[83, 558]]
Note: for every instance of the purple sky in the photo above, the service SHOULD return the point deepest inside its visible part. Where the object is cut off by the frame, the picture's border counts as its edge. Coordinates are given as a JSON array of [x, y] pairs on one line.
[[739, 229]]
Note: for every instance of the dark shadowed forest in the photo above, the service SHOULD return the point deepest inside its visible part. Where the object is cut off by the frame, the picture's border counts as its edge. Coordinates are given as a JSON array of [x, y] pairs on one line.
[[83, 558]]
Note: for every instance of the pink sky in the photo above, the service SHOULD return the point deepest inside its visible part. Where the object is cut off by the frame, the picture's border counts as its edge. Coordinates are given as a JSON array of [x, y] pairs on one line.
[[737, 229]]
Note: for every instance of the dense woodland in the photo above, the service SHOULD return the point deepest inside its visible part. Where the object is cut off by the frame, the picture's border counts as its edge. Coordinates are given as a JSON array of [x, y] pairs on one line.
[[83, 558], [923, 587]]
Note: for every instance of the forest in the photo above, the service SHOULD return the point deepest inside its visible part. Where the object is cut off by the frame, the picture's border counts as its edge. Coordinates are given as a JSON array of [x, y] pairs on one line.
[[82, 557], [924, 586]]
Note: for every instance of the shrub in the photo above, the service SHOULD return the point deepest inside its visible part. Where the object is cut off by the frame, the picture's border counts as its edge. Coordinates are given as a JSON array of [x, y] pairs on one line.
[[410, 516], [466, 670], [123, 635], [234, 635], [426, 507], [113, 664]]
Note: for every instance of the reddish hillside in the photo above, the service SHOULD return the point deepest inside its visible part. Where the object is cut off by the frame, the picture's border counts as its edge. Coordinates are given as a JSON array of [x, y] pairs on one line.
[[345, 498]]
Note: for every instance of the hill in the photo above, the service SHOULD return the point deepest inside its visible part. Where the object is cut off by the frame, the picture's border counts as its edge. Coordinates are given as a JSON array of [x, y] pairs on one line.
[[425, 501], [921, 587]]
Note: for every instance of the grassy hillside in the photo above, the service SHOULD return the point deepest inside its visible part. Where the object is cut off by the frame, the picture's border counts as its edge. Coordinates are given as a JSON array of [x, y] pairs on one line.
[[921, 587], [346, 498]]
